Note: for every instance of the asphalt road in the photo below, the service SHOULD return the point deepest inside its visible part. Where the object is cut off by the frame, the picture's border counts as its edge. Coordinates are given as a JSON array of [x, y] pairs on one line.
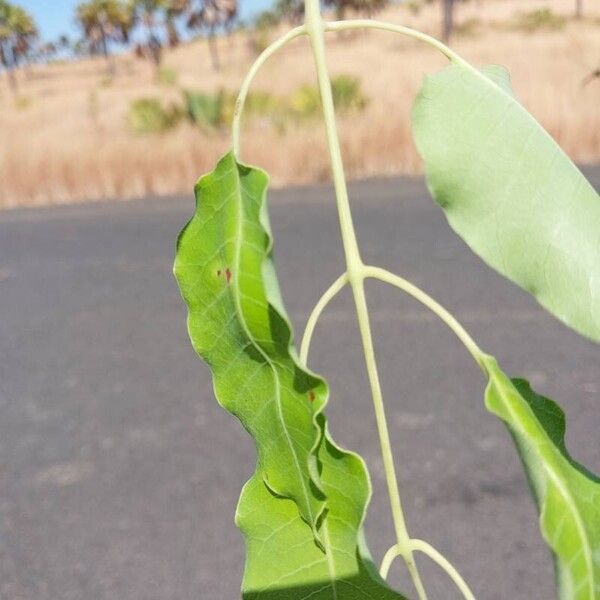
[[119, 474]]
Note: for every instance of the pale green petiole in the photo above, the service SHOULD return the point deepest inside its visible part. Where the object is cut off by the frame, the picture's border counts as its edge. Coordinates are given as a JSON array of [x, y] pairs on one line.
[[315, 28], [325, 299], [260, 61], [329, 26], [434, 306], [406, 286], [433, 554]]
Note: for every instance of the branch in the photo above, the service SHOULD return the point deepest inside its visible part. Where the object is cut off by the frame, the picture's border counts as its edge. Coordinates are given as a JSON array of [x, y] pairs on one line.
[[434, 306], [260, 61], [324, 300], [435, 556]]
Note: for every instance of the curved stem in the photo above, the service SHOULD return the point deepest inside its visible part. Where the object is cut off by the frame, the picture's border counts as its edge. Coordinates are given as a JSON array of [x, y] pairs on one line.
[[429, 550], [324, 300], [412, 33], [260, 61], [407, 31], [434, 306], [390, 556], [402, 535], [433, 554], [315, 28]]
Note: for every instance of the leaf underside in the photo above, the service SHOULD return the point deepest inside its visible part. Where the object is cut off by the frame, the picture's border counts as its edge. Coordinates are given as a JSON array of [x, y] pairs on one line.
[[567, 495], [303, 510], [519, 202], [510, 192]]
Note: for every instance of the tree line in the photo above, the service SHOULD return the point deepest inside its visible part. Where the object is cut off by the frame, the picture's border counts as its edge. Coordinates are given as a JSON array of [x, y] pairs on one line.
[[105, 23]]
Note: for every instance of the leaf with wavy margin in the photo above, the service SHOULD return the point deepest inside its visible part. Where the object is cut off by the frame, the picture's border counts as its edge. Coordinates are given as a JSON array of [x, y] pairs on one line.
[[302, 512], [567, 495]]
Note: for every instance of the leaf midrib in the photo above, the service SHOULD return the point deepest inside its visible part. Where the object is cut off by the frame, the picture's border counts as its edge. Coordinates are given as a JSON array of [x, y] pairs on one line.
[[329, 558], [236, 273]]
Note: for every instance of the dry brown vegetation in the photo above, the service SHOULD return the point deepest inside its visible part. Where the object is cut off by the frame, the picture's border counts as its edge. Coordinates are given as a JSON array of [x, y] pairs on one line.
[[66, 137]]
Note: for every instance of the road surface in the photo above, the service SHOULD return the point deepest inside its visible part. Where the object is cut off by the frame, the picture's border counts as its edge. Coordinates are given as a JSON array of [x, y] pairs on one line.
[[119, 474]]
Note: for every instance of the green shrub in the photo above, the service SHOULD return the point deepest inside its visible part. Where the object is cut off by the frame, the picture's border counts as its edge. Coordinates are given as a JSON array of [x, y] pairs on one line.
[[167, 76], [468, 28], [209, 110], [348, 96], [260, 41], [106, 81], [305, 101], [147, 115], [414, 7], [216, 111], [540, 19], [22, 102]]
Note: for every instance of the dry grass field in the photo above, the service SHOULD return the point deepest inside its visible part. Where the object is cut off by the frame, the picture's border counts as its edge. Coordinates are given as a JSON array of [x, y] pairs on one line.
[[66, 136]]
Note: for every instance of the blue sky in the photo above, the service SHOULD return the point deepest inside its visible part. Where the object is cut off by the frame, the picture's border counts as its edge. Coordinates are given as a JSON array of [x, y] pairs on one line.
[[55, 17]]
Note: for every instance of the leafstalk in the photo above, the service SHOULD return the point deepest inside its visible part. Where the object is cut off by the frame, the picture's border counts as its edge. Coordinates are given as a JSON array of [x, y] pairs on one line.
[[260, 61], [315, 28], [435, 556], [335, 287]]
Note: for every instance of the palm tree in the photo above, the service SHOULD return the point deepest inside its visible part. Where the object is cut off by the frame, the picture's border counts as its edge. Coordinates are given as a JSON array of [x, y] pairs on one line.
[[24, 31], [174, 9], [368, 7], [6, 55], [18, 31], [154, 14], [447, 19], [63, 42], [104, 21], [148, 13], [209, 16], [292, 10]]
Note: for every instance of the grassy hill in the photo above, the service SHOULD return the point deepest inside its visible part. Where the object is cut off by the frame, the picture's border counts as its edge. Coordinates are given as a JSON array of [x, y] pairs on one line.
[[69, 135]]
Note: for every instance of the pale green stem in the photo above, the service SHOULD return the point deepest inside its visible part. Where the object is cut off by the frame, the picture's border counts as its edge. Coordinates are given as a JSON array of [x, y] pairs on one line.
[[407, 31], [331, 26], [324, 300], [429, 550], [388, 559], [402, 535], [412, 33], [315, 28], [434, 306], [260, 61]]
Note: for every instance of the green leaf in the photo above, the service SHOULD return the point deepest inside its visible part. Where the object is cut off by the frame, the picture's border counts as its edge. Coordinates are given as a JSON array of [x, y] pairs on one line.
[[239, 333], [510, 192], [567, 495], [302, 512], [283, 563]]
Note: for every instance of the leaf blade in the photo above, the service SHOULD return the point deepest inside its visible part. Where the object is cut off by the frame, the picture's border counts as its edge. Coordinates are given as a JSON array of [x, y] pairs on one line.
[[567, 495], [238, 325], [302, 570], [228, 309], [510, 192]]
